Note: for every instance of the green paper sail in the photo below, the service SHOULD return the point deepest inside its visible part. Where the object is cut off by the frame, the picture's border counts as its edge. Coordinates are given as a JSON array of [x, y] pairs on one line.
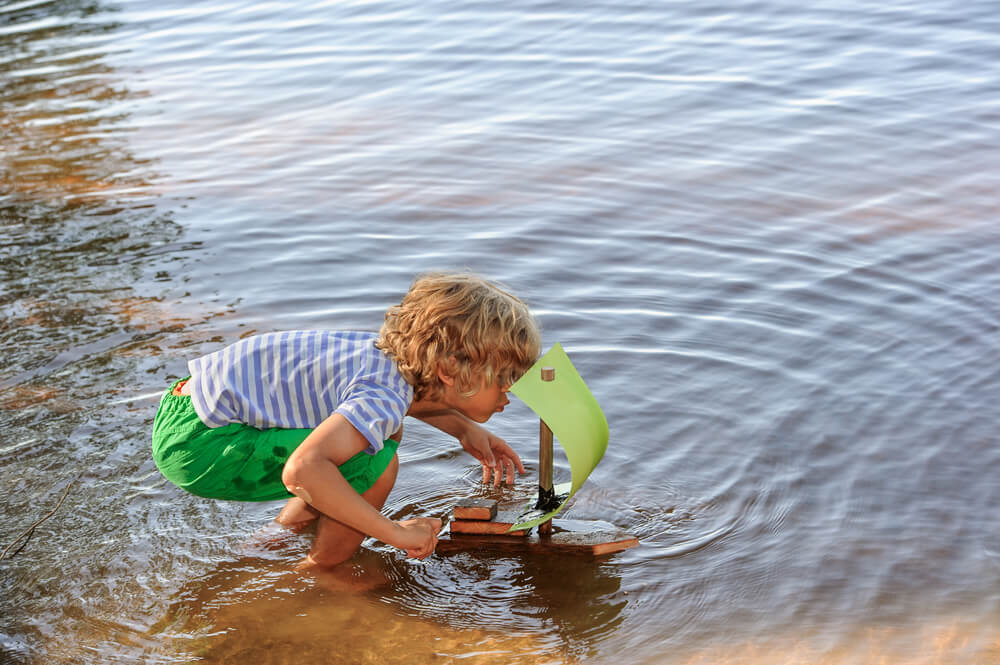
[[572, 413]]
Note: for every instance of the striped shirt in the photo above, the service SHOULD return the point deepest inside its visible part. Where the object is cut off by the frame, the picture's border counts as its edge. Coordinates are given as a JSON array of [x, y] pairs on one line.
[[296, 380]]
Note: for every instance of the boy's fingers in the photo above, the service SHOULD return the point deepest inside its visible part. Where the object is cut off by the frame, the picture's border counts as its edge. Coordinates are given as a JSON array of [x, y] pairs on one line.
[[434, 525], [489, 463], [511, 455]]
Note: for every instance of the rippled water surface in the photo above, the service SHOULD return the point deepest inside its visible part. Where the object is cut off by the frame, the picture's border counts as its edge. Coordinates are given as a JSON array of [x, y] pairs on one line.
[[765, 232]]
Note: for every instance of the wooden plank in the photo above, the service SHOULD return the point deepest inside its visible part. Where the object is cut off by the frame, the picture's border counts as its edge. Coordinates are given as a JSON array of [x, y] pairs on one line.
[[483, 528], [497, 526], [475, 509], [568, 537], [598, 543]]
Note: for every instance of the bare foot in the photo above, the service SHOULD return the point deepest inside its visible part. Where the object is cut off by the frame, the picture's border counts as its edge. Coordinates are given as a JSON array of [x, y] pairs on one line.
[[348, 577]]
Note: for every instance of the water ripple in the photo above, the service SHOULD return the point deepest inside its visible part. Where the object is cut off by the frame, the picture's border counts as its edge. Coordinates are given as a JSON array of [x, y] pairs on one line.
[[764, 232]]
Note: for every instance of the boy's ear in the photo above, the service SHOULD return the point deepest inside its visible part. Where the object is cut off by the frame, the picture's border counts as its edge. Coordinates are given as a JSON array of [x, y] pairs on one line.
[[447, 377]]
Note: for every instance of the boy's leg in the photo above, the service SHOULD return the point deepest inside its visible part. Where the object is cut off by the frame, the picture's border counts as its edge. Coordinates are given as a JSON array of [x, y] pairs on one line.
[[336, 542], [297, 514]]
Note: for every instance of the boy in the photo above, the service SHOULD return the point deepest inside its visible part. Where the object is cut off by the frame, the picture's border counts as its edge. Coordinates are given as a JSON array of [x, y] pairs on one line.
[[317, 416]]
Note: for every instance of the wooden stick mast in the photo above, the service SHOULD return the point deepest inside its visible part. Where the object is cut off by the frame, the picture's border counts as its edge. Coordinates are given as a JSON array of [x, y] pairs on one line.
[[546, 493]]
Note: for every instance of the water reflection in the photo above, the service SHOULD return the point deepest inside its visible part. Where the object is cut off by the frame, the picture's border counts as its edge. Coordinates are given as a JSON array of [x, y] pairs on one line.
[[75, 207], [382, 608], [60, 142], [83, 240]]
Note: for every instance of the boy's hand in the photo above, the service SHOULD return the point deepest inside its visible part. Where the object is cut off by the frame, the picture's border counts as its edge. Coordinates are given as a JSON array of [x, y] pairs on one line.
[[498, 458], [419, 536]]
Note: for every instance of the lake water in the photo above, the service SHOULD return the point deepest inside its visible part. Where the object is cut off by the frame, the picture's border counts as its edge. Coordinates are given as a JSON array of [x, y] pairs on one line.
[[765, 232]]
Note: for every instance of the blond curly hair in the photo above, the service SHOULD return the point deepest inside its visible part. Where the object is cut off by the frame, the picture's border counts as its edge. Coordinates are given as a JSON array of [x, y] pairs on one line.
[[472, 328]]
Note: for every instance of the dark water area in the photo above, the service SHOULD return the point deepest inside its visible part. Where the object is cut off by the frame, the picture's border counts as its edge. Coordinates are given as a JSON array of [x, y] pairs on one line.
[[765, 233]]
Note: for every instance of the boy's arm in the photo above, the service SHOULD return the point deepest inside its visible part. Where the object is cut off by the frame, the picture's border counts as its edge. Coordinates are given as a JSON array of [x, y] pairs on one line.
[[311, 474], [496, 456]]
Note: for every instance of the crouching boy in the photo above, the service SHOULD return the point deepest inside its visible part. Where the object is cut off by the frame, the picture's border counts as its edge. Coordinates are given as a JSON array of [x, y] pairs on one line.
[[316, 416]]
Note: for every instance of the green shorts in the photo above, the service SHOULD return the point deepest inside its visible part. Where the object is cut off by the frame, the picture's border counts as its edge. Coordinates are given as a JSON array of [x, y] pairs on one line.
[[239, 462]]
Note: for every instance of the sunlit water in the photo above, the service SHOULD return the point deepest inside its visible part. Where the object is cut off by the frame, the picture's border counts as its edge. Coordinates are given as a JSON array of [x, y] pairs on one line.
[[765, 232]]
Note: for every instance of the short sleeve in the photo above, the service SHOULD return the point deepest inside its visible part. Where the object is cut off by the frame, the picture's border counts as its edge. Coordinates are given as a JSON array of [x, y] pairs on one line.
[[375, 411]]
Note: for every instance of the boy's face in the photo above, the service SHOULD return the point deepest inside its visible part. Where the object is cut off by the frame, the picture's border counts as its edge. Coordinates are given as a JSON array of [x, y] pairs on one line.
[[489, 399]]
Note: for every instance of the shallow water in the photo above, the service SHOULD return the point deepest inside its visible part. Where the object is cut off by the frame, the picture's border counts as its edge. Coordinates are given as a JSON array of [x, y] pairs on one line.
[[764, 232]]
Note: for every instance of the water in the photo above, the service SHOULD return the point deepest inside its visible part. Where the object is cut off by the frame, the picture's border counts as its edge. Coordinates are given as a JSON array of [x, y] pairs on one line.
[[765, 233]]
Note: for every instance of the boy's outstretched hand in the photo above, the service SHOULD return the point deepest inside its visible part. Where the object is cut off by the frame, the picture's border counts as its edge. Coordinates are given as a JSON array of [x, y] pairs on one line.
[[496, 456], [419, 537]]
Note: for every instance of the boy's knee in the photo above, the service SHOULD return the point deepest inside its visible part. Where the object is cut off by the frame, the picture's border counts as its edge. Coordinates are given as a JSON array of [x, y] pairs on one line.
[[289, 477]]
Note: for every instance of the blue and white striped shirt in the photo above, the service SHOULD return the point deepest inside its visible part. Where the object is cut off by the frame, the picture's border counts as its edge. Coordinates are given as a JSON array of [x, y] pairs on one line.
[[298, 379]]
